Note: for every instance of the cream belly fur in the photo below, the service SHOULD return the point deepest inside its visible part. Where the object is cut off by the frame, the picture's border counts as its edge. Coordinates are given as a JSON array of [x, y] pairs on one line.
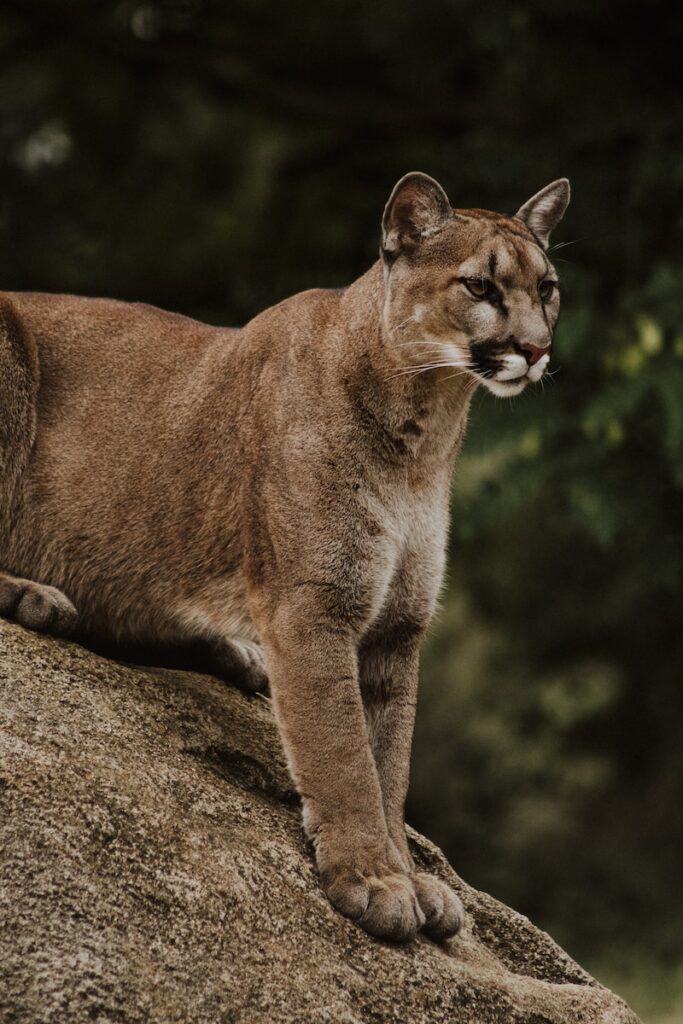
[[278, 495], [221, 610]]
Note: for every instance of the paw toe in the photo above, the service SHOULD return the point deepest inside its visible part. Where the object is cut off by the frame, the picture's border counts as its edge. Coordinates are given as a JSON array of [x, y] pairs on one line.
[[393, 911], [253, 679], [442, 909], [242, 664], [348, 893], [10, 595], [45, 609]]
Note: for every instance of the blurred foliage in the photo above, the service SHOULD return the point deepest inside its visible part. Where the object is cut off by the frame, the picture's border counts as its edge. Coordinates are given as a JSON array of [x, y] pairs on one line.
[[214, 158]]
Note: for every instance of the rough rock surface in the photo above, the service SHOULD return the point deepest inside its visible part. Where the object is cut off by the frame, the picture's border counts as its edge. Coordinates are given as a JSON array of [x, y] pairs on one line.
[[152, 869]]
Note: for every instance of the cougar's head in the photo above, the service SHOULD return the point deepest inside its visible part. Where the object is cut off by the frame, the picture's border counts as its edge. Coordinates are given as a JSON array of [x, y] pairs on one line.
[[470, 291]]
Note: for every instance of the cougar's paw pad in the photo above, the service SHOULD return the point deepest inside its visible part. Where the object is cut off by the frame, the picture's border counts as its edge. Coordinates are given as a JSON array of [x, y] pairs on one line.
[[442, 909], [384, 905], [45, 609]]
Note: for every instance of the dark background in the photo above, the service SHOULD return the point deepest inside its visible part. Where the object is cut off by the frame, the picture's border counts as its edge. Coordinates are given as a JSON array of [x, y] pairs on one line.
[[213, 158]]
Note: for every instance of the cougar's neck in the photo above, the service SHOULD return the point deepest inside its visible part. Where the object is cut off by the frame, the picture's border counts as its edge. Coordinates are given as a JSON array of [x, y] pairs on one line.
[[408, 415]]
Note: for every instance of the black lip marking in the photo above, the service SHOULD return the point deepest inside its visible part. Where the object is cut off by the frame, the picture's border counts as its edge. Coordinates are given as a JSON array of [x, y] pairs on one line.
[[486, 355]]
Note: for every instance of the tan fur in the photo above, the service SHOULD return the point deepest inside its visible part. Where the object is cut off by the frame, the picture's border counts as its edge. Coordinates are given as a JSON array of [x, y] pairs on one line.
[[280, 492]]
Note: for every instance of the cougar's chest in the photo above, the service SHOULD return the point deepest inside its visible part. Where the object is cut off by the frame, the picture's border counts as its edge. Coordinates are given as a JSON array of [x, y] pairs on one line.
[[407, 555]]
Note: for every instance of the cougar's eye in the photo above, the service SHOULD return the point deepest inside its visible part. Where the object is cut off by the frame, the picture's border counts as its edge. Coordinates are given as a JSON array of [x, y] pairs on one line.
[[546, 289], [478, 286]]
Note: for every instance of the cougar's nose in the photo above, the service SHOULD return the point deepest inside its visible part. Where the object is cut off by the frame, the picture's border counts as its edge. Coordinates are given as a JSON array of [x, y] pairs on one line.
[[532, 353]]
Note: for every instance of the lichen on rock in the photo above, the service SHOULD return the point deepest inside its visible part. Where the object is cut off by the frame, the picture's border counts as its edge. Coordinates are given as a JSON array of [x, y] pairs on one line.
[[153, 869]]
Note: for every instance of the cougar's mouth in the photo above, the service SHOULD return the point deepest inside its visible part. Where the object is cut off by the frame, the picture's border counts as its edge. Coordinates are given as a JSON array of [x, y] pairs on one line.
[[505, 388], [505, 373]]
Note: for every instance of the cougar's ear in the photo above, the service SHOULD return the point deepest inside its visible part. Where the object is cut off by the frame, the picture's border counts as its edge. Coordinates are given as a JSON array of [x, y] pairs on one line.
[[417, 208], [544, 211]]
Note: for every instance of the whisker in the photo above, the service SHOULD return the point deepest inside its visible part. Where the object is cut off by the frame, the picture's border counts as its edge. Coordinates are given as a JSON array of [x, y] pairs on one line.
[[563, 245], [404, 322], [460, 373], [428, 350], [410, 371], [435, 344]]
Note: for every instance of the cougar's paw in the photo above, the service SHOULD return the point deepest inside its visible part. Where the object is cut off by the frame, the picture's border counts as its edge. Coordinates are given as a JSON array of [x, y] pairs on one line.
[[385, 905], [36, 606], [241, 663], [442, 909]]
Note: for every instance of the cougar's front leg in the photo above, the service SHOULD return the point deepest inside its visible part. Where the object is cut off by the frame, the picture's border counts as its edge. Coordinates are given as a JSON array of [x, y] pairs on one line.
[[312, 667], [389, 668], [388, 675]]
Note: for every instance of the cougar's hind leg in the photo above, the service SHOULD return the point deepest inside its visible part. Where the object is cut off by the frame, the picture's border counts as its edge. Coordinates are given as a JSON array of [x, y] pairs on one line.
[[19, 377], [36, 606]]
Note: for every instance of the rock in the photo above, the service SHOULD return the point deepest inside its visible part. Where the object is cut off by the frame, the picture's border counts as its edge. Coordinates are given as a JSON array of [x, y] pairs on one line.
[[153, 869]]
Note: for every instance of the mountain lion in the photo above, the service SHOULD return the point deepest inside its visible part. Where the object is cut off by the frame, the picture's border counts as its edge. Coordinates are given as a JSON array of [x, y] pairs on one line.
[[280, 494]]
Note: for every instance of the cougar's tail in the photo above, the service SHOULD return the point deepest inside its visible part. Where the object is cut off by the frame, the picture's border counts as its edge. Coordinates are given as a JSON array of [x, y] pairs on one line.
[[18, 389]]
